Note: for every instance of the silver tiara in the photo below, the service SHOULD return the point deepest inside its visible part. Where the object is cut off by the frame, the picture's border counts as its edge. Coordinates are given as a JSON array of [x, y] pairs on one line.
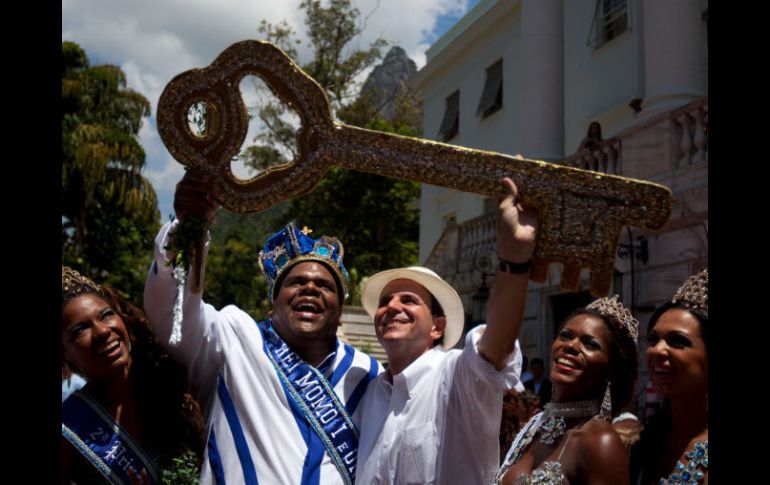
[[612, 308], [694, 292], [75, 284]]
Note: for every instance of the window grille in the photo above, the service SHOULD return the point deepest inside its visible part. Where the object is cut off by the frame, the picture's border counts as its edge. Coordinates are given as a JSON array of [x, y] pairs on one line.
[[492, 97], [610, 20], [450, 125]]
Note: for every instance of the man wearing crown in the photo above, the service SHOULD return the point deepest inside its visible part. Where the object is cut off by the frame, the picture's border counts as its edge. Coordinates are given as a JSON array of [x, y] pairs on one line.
[[434, 415], [280, 396]]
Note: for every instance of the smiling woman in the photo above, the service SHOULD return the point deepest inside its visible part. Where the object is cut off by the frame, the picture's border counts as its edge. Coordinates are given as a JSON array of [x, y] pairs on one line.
[[133, 417], [594, 366], [674, 446]]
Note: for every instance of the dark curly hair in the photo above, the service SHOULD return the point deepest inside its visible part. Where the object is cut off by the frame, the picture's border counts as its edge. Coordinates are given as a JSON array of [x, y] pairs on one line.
[[171, 418], [624, 359]]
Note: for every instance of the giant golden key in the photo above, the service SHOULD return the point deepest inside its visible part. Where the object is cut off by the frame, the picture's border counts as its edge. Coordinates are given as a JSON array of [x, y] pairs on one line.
[[581, 212]]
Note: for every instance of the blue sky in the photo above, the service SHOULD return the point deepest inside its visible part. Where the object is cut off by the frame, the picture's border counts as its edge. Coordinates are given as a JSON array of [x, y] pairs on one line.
[[153, 40], [445, 22]]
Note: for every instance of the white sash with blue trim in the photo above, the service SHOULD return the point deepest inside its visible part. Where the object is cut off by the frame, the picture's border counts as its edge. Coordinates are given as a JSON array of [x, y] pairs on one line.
[[318, 402], [102, 441]]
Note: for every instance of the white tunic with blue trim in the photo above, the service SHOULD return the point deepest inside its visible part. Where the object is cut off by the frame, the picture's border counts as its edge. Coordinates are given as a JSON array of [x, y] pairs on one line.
[[254, 436]]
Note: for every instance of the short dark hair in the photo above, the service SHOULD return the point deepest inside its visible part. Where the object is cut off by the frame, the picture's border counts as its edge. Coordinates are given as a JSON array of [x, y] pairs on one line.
[[435, 307], [536, 360], [436, 310]]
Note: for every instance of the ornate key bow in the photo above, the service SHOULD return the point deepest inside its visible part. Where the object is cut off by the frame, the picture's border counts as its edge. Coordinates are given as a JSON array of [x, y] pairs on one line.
[[581, 212]]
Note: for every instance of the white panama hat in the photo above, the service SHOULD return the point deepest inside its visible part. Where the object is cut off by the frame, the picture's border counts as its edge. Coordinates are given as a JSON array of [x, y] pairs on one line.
[[441, 290]]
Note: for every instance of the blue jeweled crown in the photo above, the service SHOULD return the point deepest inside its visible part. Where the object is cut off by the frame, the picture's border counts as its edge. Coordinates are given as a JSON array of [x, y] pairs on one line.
[[290, 246]]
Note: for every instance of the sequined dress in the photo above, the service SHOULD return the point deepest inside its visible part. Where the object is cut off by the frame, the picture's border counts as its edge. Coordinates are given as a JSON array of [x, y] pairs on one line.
[[693, 472], [548, 473]]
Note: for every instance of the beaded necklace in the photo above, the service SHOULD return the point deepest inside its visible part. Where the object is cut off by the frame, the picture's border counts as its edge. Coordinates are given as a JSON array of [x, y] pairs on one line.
[[554, 424], [549, 423]]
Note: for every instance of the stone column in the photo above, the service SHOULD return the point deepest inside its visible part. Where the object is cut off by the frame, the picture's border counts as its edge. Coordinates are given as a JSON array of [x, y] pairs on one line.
[[674, 69], [542, 101]]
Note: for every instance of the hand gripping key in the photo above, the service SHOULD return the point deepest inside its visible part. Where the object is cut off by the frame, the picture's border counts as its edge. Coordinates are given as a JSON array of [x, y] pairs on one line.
[[581, 212]]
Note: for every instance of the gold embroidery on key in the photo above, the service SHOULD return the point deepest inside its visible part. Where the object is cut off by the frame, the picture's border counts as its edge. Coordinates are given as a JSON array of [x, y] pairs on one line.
[[581, 212]]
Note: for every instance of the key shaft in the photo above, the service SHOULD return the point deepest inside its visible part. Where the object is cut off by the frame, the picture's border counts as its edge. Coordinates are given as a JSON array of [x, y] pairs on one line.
[[581, 212]]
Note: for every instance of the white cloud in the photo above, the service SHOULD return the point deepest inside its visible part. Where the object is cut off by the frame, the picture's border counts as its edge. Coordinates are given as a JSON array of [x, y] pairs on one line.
[[154, 40], [166, 176], [406, 22]]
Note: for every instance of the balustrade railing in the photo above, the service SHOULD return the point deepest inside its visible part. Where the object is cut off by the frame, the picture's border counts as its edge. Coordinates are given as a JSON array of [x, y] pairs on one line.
[[692, 121], [605, 158], [689, 137]]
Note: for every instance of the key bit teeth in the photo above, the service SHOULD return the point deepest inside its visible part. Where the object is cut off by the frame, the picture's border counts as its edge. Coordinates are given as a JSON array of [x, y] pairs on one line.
[[570, 277], [581, 212], [539, 271], [600, 283]]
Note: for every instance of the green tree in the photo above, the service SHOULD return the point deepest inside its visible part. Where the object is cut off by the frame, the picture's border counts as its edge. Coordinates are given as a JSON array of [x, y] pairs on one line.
[[375, 217], [334, 65], [109, 210], [232, 272], [183, 470], [232, 276]]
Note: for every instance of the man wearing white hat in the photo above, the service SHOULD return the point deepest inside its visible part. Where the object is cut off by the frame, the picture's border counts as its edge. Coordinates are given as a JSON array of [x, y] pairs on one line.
[[434, 415]]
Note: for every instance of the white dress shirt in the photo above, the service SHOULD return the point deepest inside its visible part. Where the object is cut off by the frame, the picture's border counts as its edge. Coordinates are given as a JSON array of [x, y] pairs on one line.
[[439, 421]]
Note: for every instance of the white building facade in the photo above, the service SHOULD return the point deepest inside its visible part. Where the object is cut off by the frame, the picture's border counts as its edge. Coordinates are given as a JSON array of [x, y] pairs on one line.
[[527, 77]]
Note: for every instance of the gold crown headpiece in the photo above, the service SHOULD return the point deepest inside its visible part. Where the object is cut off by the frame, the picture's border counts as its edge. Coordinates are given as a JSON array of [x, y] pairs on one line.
[[612, 308], [694, 292], [75, 284]]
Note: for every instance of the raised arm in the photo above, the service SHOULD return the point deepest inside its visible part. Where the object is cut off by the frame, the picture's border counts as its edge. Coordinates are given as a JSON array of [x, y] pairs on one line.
[[516, 233], [194, 196]]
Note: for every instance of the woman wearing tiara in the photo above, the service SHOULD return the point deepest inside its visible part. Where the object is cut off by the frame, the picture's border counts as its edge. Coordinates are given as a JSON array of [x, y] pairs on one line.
[[133, 416], [674, 445], [594, 367]]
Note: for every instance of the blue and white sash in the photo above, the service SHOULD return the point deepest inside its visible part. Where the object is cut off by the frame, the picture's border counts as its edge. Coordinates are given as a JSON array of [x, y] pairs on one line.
[[318, 402], [102, 441]]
